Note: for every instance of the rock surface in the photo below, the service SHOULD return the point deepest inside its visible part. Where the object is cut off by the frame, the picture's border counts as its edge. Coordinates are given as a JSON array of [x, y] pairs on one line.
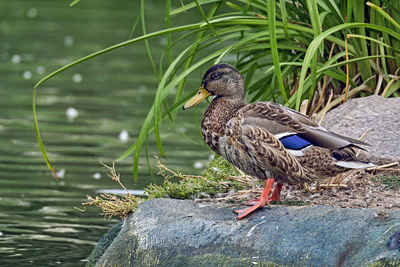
[[381, 116], [167, 232]]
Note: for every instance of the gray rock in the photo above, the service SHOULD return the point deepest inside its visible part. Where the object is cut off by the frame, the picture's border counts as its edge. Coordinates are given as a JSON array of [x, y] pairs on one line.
[[167, 232], [381, 116]]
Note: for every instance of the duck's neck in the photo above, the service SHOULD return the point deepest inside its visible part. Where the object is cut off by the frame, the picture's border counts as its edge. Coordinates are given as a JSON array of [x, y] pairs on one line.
[[218, 113]]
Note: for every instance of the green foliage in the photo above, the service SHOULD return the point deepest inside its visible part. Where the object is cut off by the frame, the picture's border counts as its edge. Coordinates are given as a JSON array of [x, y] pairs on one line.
[[287, 51], [390, 182], [292, 202], [220, 177], [216, 179], [385, 263]]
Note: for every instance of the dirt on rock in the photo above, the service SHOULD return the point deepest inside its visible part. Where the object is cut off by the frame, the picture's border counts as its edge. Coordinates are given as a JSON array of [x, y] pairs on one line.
[[362, 190], [354, 189]]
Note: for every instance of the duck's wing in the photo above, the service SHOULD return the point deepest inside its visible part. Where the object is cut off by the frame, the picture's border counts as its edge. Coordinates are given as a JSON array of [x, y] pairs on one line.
[[259, 153], [292, 128]]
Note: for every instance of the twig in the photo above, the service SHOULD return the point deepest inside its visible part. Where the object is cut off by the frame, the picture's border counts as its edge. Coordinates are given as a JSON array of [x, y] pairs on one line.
[[164, 168], [303, 107], [383, 167], [314, 188], [378, 85], [338, 100], [112, 173], [324, 84], [360, 138], [325, 108]]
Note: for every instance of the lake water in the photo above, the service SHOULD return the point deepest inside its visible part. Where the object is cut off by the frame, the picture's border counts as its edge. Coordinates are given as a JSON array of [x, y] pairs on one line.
[[106, 99]]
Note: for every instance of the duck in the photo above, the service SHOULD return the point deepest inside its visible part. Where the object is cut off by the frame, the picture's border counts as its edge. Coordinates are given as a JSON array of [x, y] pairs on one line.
[[267, 140]]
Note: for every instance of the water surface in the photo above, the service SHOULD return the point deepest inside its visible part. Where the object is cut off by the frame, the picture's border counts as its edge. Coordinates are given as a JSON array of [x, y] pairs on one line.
[[106, 100]]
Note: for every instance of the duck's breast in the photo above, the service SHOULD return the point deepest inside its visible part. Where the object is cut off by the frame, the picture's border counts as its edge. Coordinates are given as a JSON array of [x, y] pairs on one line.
[[234, 150]]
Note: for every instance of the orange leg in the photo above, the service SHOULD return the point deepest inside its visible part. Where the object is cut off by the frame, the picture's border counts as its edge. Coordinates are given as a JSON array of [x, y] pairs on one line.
[[276, 195], [261, 202]]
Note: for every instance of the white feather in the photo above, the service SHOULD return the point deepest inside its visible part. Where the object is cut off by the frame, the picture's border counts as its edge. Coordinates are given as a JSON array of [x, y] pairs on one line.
[[296, 153], [354, 164], [281, 135]]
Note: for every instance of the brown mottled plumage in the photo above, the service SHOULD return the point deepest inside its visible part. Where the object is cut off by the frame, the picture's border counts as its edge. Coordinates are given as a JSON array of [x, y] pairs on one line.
[[267, 140]]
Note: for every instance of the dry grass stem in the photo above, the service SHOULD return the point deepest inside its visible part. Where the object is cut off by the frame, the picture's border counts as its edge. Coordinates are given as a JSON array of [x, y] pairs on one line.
[[325, 109], [339, 99], [324, 84], [360, 138], [113, 205], [389, 85], [384, 167], [168, 173], [303, 107], [379, 84], [364, 134], [346, 90], [112, 173]]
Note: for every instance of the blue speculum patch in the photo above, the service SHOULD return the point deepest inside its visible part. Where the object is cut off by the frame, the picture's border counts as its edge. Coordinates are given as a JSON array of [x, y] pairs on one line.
[[294, 142]]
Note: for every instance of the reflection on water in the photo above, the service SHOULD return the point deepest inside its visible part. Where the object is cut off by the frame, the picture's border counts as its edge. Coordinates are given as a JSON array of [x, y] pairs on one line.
[[39, 225], [87, 115]]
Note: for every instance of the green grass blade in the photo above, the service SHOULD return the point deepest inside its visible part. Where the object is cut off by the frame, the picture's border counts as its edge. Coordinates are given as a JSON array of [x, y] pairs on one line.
[[384, 14], [133, 28], [353, 60], [146, 42], [38, 137], [335, 10], [391, 89], [208, 22], [315, 21], [74, 3], [383, 60], [162, 93], [349, 11], [375, 41], [168, 25], [365, 69], [235, 6], [284, 15], [191, 5], [157, 106], [274, 46], [241, 43], [189, 61]]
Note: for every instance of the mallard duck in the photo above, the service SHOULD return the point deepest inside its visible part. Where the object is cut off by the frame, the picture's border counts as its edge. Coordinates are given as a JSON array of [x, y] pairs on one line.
[[267, 140]]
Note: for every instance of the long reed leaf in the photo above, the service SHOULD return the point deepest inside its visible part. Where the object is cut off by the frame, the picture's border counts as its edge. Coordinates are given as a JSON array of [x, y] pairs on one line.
[[274, 46], [386, 15]]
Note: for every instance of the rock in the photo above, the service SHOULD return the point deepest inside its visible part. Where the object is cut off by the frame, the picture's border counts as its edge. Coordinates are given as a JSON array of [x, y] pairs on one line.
[[381, 116], [167, 232]]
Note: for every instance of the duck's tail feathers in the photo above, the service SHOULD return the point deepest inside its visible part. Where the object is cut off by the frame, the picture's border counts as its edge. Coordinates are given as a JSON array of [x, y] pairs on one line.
[[324, 138]]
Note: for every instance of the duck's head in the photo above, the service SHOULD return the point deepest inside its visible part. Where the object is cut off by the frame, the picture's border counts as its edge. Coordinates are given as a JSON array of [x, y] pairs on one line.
[[220, 80]]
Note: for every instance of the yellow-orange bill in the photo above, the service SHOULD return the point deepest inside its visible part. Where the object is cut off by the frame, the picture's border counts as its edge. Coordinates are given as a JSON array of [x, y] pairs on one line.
[[197, 98]]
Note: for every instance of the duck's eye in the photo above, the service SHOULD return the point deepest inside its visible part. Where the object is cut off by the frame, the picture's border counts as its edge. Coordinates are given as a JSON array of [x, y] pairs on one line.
[[215, 76]]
